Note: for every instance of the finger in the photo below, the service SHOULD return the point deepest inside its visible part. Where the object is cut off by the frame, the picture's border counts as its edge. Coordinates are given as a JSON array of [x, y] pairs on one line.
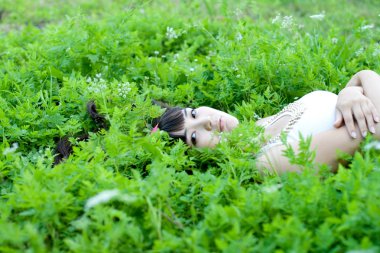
[[375, 113], [360, 119], [369, 117], [349, 122], [338, 119]]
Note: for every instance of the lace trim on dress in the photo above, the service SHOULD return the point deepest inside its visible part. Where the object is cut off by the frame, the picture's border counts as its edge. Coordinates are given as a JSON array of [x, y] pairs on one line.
[[295, 110]]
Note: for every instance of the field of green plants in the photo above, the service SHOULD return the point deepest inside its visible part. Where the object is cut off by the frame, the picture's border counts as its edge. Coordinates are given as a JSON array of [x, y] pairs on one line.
[[126, 190]]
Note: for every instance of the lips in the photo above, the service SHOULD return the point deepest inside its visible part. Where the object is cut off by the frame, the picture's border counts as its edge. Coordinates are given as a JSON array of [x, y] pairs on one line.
[[221, 125]]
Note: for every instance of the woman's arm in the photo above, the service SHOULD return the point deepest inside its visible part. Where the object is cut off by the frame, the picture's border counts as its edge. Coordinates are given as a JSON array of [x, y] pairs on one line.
[[356, 102], [324, 144], [327, 143]]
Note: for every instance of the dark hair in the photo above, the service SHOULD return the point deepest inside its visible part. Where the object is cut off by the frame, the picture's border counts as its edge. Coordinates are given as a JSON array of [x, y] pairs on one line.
[[64, 147], [172, 120]]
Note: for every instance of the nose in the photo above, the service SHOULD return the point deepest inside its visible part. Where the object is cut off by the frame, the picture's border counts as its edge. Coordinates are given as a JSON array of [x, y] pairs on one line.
[[205, 122]]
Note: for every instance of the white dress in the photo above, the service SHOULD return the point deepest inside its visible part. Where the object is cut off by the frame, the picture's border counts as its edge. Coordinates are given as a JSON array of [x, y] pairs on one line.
[[309, 115]]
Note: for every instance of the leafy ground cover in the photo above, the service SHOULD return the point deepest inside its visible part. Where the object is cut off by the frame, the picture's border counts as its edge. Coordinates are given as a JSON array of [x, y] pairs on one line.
[[126, 190]]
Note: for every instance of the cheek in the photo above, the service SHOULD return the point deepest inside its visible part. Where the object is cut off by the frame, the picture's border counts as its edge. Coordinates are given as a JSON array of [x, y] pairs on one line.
[[208, 140]]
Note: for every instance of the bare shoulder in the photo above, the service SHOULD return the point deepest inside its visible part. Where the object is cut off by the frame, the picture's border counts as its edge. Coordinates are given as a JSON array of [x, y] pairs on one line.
[[325, 144]]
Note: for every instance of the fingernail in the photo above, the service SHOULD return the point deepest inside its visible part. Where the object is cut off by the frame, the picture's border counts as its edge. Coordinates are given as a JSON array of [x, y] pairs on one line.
[[353, 134], [372, 129], [364, 133]]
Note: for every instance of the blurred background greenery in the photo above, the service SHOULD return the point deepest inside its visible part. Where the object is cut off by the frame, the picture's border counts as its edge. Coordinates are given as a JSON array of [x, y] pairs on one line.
[[247, 57]]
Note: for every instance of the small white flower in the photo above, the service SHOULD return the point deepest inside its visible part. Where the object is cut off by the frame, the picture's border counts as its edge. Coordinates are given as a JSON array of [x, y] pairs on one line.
[[319, 16], [276, 19], [223, 139], [102, 197], [287, 22], [359, 51], [376, 52], [238, 13], [238, 37], [97, 84], [272, 188], [156, 52], [11, 149], [192, 69], [366, 27], [170, 33], [370, 250], [123, 89], [195, 60], [334, 40], [372, 145]]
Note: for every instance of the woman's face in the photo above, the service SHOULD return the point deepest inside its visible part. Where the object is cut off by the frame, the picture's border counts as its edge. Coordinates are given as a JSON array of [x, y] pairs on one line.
[[203, 124]]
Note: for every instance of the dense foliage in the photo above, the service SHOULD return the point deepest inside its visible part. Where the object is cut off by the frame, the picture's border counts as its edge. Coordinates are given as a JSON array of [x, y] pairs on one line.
[[125, 190]]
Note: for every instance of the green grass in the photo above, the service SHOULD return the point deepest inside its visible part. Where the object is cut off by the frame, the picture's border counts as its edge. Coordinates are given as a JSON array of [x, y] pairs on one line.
[[230, 55]]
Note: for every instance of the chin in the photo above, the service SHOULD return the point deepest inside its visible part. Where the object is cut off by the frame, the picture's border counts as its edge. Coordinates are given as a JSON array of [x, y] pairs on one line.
[[231, 123]]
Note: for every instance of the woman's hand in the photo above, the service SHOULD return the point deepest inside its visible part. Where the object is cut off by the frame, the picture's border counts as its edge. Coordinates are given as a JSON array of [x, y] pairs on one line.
[[353, 104]]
